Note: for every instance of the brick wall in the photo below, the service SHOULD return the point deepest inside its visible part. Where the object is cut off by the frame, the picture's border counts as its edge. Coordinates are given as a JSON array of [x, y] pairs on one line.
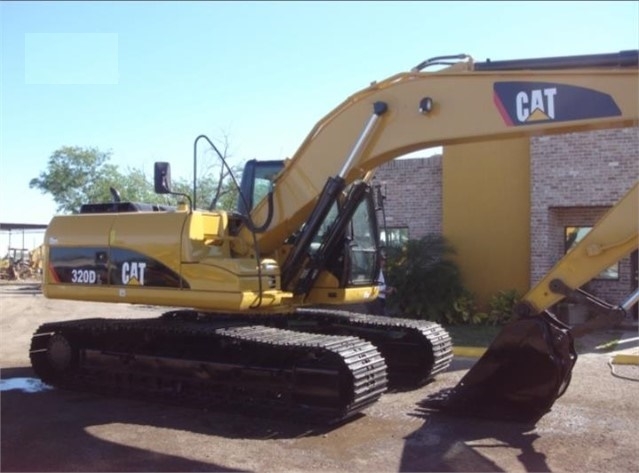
[[575, 179], [413, 189]]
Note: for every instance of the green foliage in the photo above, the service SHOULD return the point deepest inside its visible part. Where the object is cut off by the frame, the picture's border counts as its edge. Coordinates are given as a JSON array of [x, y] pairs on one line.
[[463, 311], [206, 191], [76, 176], [501, 307], [133, 186], [221, 192], [428, 285], [428, 282]]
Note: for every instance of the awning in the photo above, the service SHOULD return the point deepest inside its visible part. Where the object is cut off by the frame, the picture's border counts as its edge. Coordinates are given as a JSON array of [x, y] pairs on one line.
[[8, 227]]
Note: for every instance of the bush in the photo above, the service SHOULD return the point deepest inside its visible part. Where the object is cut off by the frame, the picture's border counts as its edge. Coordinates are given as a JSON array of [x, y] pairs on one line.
[[501, 307], [428, 282], [429, 286], [464, 311]]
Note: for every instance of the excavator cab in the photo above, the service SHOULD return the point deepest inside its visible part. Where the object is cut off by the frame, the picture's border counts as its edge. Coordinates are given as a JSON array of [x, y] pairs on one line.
[[257, 183], [346, 241]]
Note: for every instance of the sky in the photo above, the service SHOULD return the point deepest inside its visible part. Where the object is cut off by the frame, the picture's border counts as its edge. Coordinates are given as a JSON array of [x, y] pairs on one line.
[[143, 79]]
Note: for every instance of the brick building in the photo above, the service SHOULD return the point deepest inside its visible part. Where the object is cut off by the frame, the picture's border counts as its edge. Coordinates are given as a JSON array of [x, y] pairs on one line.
[[550, 186]]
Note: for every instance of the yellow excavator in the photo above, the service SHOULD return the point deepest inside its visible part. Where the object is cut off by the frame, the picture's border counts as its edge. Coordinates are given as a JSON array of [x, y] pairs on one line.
[[255, 298]]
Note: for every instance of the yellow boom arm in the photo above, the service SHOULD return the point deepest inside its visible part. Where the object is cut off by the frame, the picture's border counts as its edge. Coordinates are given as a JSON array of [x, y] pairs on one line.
[[417, 110], [615, 236]]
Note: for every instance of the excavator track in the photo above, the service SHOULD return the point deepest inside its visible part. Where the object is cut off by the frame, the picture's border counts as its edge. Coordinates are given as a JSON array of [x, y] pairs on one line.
[[179, 359], [415, 351]]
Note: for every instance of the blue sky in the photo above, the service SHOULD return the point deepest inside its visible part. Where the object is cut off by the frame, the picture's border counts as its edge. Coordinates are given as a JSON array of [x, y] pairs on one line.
[[143, 79]]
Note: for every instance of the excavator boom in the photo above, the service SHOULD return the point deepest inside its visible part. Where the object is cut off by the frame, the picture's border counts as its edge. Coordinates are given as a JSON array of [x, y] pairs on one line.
[[463, 103]]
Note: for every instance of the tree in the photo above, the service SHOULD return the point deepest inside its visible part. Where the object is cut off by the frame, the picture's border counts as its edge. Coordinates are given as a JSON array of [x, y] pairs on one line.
[[76, 175], [217, 190], [135, 186]]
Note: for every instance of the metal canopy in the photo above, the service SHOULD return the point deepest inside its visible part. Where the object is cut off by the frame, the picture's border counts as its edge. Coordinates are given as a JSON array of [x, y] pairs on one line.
[[22, 226]]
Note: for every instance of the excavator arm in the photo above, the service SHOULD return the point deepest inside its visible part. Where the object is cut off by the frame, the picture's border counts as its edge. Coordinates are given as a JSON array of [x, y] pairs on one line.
[[614, 237]]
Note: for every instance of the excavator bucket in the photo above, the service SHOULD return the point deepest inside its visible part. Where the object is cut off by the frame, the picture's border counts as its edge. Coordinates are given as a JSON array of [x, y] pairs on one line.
[[523, 372]]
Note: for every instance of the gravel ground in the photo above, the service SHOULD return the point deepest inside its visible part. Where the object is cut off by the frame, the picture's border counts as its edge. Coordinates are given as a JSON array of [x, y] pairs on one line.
[[592, 428]]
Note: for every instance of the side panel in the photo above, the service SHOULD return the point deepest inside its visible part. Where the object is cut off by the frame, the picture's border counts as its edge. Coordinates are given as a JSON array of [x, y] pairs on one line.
[[134, 268], [145, 249], [129, 249], [77, 249]]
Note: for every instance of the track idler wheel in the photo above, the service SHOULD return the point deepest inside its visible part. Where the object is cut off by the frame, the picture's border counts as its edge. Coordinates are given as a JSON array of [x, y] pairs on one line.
[[53, 358]]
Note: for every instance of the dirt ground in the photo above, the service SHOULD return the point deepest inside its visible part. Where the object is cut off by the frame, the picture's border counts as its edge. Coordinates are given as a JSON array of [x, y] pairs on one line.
[[592, 428]]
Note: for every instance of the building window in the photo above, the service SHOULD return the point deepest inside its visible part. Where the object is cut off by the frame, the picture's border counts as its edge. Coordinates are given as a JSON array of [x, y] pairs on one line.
[[395, 237], [573, 235]]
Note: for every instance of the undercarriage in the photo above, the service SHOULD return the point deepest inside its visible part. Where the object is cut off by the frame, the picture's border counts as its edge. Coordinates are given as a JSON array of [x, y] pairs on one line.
[[322, 364]]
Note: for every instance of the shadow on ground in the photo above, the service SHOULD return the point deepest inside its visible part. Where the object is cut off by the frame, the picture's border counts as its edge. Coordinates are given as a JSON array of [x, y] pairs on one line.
[[448, 443], [49, 430]]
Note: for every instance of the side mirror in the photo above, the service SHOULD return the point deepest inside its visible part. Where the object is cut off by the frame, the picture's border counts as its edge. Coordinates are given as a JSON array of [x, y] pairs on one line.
[[162, 178]]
